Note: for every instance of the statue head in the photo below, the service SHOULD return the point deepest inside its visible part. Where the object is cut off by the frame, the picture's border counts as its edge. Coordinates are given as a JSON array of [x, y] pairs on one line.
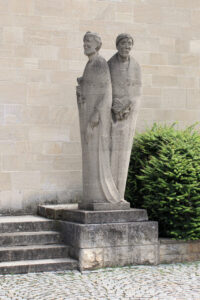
[[124, 44], [91, 43]]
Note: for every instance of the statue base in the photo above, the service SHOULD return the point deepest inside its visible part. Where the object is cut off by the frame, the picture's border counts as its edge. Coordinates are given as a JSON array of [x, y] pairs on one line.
[[105, 206], [108, 238]]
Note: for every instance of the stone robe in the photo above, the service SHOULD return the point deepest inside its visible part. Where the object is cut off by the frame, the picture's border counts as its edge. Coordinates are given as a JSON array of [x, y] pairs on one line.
[[96, 96], [126, 91]]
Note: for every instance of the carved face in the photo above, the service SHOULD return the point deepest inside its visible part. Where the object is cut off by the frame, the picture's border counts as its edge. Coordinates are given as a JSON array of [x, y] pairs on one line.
[[89, 45], [124, 47]]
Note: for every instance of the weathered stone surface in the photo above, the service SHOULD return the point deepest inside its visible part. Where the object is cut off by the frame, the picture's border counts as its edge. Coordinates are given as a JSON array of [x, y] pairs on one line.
[[42, 265], [126, 91], [28, 244], [172, 251], [28, 238], [33, 252], [55, 211], [94, 258], [26, 223], [111, 244], [105, 206], [107, 117], [109, 235], [94, 217], [94, 98]]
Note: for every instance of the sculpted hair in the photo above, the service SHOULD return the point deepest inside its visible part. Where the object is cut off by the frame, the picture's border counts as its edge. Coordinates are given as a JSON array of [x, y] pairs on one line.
[[96, 37], [122, 36]]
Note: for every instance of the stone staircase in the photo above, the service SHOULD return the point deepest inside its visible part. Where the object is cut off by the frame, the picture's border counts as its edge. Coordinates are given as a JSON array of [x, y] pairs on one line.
[[32, 244]]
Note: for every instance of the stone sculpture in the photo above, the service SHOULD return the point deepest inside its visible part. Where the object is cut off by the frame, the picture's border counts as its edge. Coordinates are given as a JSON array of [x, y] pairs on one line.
[[126, 89], [113, 234], [94, 96], [105, 152]]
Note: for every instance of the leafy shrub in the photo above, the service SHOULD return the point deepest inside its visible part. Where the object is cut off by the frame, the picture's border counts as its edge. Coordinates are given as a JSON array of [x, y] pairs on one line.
[[164, 178]]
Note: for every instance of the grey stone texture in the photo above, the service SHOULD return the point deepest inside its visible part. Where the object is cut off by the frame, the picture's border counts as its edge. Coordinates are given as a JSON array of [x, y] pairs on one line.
[[108, 97], [112, 244], [164, 282], [172, 251], [55, 211], [105, 206], [32, 244], [108, 238], [95, 217], [126, 91]]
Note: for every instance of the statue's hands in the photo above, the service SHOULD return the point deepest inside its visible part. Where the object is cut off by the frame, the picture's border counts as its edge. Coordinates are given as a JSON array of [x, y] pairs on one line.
[[88, 133], [121, 108], [94, 121]]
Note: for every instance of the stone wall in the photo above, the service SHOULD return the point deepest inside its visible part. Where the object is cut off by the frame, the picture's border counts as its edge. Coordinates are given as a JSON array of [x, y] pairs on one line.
[[172, 251], [40, 58]]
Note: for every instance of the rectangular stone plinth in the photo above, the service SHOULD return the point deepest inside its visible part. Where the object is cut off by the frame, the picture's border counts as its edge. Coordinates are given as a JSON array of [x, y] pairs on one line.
[[112, 244], [101, 217], [105, 206], [71, 214]]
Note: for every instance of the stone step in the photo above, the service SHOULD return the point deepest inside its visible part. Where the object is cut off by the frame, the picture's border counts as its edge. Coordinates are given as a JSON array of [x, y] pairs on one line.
[[55, 211], [26, 223], [30, 238], [33, 252], [41, 265]]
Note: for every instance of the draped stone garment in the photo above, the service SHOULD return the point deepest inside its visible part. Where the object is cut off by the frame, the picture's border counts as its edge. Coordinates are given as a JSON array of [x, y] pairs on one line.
[[96, 96], [126, 88]]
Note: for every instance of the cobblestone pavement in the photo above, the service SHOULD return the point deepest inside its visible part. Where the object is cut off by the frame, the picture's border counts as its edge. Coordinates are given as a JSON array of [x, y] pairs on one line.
[[166, 282]]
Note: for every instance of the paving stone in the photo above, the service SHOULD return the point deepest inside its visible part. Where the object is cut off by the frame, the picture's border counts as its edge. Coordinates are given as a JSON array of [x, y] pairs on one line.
[[163, 282]]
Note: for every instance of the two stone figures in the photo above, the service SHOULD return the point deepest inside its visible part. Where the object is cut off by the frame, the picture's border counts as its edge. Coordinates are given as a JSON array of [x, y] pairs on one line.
[[108, 99]]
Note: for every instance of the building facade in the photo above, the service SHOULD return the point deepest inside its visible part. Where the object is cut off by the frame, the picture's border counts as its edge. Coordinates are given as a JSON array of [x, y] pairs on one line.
[[41, 56]]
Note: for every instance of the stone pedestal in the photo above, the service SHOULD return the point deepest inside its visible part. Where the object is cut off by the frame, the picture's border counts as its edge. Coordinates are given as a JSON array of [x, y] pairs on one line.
[[110, 238], [105, 206], [106, 238]]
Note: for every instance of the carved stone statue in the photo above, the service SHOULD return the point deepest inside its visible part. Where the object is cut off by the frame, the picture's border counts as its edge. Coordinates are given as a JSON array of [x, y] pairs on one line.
[[94, 97], [126, 91]]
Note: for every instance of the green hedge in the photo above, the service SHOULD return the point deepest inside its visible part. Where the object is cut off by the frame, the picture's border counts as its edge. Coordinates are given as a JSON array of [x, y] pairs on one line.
[[164, 178]]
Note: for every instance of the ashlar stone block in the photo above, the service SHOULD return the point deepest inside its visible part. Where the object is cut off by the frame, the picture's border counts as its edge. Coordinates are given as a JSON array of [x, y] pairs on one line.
[[111, 244]]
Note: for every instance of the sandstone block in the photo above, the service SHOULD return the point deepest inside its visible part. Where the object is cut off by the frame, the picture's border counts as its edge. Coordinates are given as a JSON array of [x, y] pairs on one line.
[[164, 81], [109, 235], [70, 163], [195, 46], [44, 52], [21, 7], [12, 92], [60, 180], [190, 60], [147, 14], [72, 148], [13, 35], [5, 181], [49, 7], [49, 133], [124, 17], [174, 98], [35, 115], [193, 96], [195, 18], [150, 102], [25, 180]]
